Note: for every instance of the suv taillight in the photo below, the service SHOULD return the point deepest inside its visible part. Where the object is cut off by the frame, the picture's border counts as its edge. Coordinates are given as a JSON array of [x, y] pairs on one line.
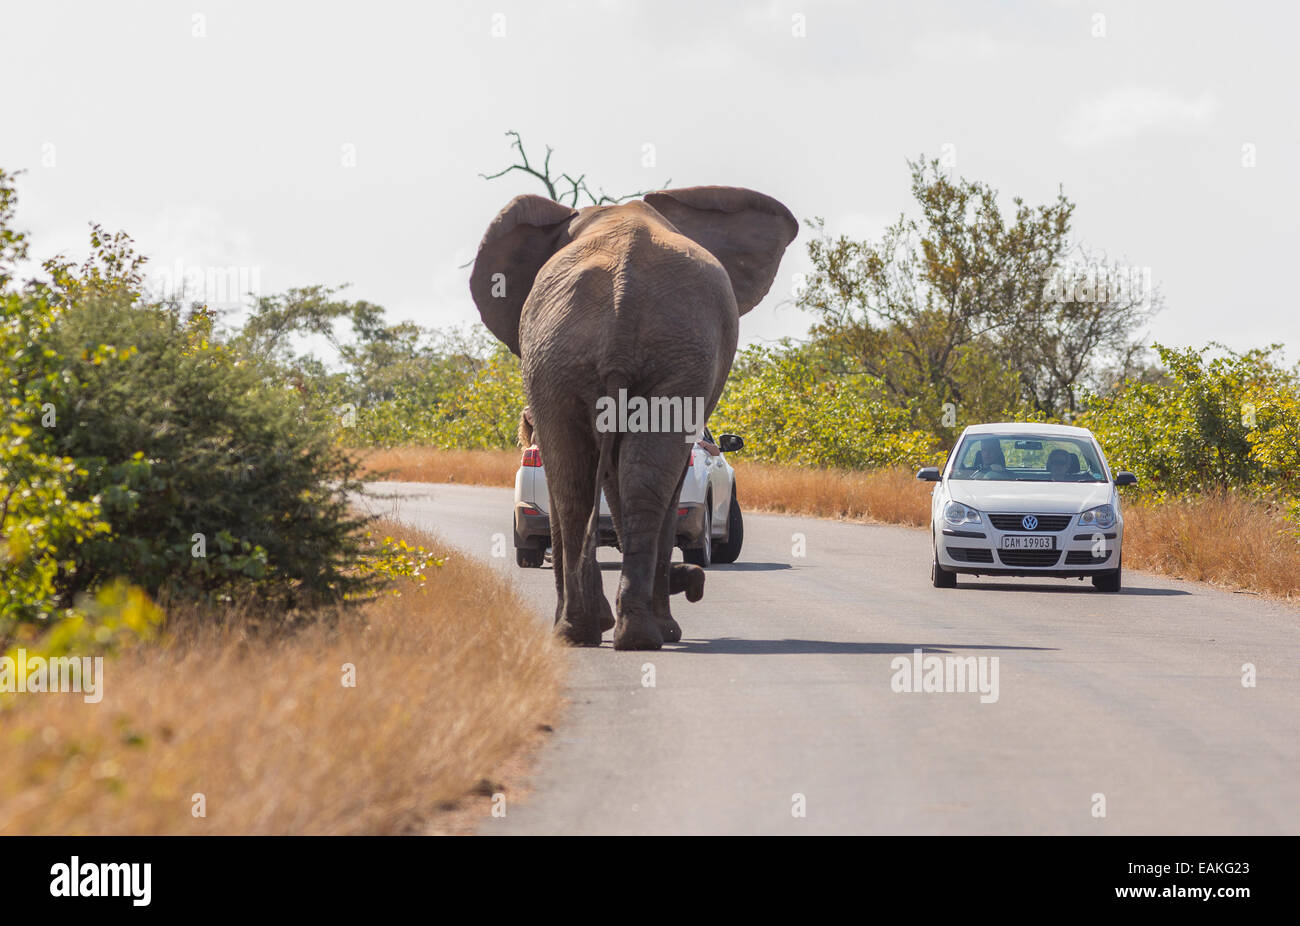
[[532, 457]]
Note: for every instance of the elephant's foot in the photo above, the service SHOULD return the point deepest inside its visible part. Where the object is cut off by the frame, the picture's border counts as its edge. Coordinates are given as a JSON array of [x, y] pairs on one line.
[[637, 634], [688, 578], [669, 628], [587, 633]]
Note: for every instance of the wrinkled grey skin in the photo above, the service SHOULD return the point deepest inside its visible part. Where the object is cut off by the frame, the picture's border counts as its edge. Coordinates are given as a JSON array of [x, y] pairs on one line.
[[646, 296]]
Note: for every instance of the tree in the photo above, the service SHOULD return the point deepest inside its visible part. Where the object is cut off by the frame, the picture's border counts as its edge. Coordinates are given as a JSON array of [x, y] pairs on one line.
[[956, 306], [305, 310]]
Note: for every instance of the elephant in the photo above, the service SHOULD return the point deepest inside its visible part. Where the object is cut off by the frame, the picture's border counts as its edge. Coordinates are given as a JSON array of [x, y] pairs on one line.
[[638, 300]]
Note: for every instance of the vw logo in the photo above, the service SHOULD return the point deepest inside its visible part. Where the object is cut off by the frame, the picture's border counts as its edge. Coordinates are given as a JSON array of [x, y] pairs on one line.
[[1029, 522]]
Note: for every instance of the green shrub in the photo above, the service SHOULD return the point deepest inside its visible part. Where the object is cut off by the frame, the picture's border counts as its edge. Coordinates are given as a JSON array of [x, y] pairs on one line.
[[1221, 421], [41, 524], [209, 472], [790, 411], [138, 444], [473, 409]]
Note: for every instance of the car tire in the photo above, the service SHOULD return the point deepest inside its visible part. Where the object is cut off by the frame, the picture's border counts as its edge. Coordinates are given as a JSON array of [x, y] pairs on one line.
[[530, 557], [702, 555], [940, 577], [729, 550], [1111, 580]]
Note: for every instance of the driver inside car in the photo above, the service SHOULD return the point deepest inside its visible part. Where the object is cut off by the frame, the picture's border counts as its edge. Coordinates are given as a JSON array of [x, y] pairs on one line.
[[990, 462], [1062, 464]]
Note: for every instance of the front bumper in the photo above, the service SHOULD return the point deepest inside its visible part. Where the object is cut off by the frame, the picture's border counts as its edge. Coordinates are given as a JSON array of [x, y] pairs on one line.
[[1077, 551]]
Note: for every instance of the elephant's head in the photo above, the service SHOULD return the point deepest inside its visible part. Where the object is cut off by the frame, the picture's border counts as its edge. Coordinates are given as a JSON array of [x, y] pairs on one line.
[[747, 232]]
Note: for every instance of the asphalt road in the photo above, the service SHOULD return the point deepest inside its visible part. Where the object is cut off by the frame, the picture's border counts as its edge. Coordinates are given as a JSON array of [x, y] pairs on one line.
[[780, 697]]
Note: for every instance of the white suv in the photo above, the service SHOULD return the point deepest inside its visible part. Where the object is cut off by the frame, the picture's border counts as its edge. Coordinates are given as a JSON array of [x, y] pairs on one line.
[[1027, 500], [710, 528]]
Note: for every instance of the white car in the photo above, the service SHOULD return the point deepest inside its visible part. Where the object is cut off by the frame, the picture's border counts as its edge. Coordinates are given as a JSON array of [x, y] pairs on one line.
[[710, 528], [1027, 500]]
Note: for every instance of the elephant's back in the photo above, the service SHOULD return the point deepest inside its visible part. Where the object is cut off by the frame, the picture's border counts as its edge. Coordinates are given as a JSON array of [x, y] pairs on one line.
[[634, 302]]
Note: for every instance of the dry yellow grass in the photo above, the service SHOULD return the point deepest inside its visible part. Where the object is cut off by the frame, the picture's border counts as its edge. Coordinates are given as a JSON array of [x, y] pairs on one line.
[[1224, 539], [425, 464], [890, 496], [451, 680]]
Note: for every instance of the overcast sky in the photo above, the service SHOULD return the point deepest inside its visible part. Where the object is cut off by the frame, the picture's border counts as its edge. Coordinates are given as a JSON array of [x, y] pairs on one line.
[[341, 142]]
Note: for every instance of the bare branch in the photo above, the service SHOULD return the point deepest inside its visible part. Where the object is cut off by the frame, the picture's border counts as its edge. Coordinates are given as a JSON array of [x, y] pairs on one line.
[[544, 175], [577, 186]]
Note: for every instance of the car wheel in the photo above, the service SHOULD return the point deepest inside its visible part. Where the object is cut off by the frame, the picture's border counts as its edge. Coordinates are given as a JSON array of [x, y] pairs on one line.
[[1110, 580], [940, 577], [530, 557], [729, 550], [703, 554]]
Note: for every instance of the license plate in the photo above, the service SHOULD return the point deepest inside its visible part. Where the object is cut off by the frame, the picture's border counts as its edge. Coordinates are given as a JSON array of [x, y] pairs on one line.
[[1019, 542]]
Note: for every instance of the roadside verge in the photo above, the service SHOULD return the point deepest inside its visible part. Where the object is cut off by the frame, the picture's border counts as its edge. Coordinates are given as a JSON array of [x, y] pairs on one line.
[[383, 721]]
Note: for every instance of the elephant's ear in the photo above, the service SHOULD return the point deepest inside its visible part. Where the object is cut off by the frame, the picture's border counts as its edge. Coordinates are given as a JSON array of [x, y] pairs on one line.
[[746, 231], [520, 239]]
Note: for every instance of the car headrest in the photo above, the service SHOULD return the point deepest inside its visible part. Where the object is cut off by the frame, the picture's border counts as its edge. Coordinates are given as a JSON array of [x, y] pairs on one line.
[[1059, 457]]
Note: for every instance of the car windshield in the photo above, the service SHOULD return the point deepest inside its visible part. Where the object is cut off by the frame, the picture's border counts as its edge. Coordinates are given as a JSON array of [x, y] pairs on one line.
[[1027, 458]]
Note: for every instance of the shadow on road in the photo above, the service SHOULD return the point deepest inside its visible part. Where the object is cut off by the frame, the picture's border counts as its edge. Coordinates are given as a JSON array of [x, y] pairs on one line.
[[1080, 589], [736, 646]]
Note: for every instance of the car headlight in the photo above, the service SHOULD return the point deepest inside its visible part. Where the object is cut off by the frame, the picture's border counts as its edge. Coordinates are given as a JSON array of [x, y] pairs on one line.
[[1102, 516], [956, 513]]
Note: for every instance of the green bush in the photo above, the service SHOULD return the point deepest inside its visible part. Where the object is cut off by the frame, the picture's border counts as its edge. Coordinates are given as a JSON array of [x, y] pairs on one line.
[[210, 473], [475, 408], [789, 410], [41, 525], [139, 444], [1220, 421]]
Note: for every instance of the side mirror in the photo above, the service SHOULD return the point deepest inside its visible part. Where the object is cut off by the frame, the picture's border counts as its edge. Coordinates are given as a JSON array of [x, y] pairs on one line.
[[928, 474], [1125, 478], [730, 443]]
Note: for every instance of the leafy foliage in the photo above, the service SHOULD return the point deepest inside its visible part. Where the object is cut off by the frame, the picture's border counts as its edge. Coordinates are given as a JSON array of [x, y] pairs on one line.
[[210, 470], [140, 444], [794, 411], [1219, 421], [465, 400], [394, 559]]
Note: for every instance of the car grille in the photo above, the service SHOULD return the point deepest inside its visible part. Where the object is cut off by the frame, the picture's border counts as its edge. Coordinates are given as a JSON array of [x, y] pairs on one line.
[[1046, 522], [1084, 558], [970, 554], [1039, 558]]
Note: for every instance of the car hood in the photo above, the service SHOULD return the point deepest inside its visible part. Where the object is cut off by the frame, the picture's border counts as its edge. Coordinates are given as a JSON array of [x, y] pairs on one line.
[[1038, 497]]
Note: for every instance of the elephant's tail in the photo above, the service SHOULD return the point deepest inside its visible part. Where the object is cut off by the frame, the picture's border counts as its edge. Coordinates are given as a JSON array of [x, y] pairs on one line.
[[589, 541]]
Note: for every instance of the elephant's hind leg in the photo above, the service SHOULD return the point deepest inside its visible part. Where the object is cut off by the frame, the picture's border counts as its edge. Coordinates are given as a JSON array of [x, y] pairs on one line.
[[669, 628], [582, 613], [650, 469]]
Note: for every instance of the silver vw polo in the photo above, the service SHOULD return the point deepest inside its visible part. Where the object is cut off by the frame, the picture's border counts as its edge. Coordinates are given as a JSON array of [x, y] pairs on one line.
[[1027, 500]]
